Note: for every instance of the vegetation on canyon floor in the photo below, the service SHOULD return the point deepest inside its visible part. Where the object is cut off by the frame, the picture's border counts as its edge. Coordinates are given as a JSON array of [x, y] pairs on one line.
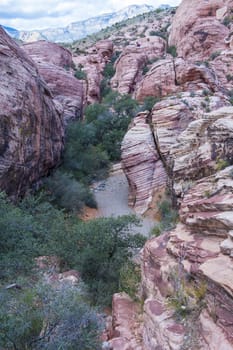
[[36, 316]]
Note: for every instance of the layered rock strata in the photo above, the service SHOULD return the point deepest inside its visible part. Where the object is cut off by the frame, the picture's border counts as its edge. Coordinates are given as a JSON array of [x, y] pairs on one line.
[[31, 126], [198, 30], [132, 60], [57, 70], [141, 164], [93, 64]]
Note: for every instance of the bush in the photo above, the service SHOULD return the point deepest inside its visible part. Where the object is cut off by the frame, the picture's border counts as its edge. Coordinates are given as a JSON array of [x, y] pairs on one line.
[[45, 318], [215, 55], [80, 74], [109, 70], [103, 247], [172, 50], [18, 233], [68, 193], [130, 278], [149, 102], [168, 217]]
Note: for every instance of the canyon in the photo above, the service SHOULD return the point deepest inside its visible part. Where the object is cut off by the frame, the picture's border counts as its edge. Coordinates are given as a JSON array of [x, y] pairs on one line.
[[182, 147]]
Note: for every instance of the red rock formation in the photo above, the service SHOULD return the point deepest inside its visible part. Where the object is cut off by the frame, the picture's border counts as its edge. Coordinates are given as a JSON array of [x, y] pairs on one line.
[[132, 60], [126, 318], [31, 127], [93, 64], [171, 76], [57, 71], [44, 51], [195, 30], [141, 164]]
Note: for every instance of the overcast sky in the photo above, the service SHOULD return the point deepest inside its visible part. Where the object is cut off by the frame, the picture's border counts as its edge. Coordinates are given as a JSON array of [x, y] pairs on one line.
[[37, 14]]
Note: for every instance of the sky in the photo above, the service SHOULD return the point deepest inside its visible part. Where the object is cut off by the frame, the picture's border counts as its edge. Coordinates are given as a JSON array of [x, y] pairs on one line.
[[38, 14]]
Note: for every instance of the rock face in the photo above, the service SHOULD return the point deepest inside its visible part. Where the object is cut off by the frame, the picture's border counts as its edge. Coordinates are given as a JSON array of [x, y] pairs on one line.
[[171, 76], [93, 65], [31, 126], [197, 30], [141, 164], [132, 60], [187, 273], [126, 318], [57, 71]]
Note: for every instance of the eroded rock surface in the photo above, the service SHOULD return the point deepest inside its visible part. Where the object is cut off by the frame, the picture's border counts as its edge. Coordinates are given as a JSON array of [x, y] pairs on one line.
[[132, 60], [93, 63], [197, 30], [141, 164], [31, 126], [56, 67]]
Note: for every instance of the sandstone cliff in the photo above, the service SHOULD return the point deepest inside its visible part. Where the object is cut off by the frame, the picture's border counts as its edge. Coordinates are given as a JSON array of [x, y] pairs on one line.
[[31, 126], [185, 145], [56, 67]]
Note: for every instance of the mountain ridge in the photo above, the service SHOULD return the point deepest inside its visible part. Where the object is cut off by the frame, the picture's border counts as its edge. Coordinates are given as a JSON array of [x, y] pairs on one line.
[[80, 29]]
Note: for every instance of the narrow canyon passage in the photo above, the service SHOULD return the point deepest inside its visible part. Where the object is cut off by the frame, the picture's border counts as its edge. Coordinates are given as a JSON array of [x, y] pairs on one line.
[[112, 200]]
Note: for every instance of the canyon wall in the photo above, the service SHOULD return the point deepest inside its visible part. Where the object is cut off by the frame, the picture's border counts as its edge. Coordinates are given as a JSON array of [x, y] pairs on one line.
[[184, 144], [31, 125]]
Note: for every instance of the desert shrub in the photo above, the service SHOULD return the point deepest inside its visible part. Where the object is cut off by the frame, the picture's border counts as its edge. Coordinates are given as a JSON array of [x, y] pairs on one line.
[[18, 233], [149, 103], [229, 77], [104, 246], [80, 74], [130, 278], [222, 164], [172, 50], [215, 55], [83, 157], [68, 193], [145, 69], [109, 70], [44, 318], [168, 218]]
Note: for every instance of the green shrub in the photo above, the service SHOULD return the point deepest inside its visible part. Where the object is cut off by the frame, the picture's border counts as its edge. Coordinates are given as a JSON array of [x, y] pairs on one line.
[[80, 74], [19, 245], [40, 317], [172, 50], [169, 217], [149, 103], [68, 193], [98, 249], [129, 280], [109, 70], [215, 55], [222, 164]]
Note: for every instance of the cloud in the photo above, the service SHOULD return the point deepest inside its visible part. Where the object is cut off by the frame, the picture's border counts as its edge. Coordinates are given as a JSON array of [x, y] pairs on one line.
[[28, 15]]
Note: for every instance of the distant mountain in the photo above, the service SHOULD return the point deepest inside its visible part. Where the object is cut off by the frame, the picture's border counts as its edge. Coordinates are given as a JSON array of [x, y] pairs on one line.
[[11, 31], [81, 29]]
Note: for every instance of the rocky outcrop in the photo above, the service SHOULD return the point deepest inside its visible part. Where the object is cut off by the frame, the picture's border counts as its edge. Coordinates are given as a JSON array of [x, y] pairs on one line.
[[126, 323], [44, 51], [187, 276], [197, 30], [31, 126], [133, 59], [141, 164], [177, 143], [172, 76], [57, 71], [93, 63]]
